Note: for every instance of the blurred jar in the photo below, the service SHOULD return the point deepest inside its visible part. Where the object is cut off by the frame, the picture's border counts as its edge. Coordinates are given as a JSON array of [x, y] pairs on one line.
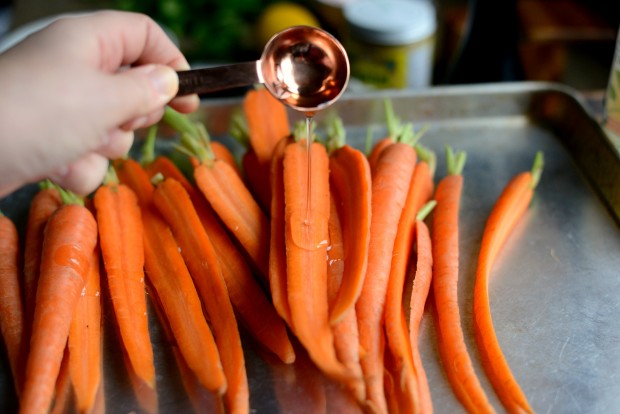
[[391, 43], [331, 15]]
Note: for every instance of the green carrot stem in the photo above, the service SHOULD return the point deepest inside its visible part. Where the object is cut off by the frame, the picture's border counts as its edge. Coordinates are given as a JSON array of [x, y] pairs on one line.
[[46, 184], [425, 210], [193, 134], [110, 176], [239, 129], [455, 161], [369, 135], [300, 131], [537, 168], [394, 125], [179, 122], [157, 178], [336, 134], [68, 197], [147, 153], [428, 156], [205, 141]]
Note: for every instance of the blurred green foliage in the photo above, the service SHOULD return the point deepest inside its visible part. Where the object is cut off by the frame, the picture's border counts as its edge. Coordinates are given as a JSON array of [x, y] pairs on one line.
[[207, 30]]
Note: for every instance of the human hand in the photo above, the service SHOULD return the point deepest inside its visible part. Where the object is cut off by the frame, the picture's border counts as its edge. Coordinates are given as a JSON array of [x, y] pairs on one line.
[[73, 93]]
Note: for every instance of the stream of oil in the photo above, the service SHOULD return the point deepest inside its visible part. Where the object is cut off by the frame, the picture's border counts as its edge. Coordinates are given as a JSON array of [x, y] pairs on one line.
[[305, 226], [309, 116]]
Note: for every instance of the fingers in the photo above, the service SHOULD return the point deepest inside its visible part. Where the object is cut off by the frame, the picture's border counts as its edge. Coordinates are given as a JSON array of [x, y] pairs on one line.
[[117, 145], [185, 104], [136, 93], [140, 41], [84, 104], [82, 176], [132, 39], [144, 121]]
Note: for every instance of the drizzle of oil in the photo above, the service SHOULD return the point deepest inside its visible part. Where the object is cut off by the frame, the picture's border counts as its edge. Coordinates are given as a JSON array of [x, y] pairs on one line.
[[309, 116]]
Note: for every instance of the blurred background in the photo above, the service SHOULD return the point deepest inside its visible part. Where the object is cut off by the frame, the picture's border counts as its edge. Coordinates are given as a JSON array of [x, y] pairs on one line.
[[568, 41]]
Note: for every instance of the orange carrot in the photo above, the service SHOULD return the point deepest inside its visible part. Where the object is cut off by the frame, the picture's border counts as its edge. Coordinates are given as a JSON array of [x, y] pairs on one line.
[[236, 207], [174, 204], [297, 382], [169, 275], [62, 389], [99, 407], [11, 306], [69, 240], [350, 180], [202, 401], [346, 337], [250, 302], [131, 174], [85, 341], [267, 123], [423, 271], [277, 249], [306, 236], [227, 194], [350, 184], [394, 128], [377, 149], [167, 272], [122, 249], [256, 178], [509, 208], [146, 396], [392, 386], [43, 204], [221, 152], [399, 346], [396, 132], [420, 191], [389, 192], [445, 241]]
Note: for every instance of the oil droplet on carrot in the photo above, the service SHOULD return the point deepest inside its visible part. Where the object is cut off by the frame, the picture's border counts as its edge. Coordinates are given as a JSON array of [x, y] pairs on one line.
[[307, 233]]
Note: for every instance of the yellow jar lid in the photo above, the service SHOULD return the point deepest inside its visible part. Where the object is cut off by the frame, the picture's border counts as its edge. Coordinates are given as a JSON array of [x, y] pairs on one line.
[[390, 22]]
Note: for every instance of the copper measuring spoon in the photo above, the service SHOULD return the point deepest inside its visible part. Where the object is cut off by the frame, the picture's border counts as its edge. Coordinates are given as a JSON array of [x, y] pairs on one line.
[[304, 67]]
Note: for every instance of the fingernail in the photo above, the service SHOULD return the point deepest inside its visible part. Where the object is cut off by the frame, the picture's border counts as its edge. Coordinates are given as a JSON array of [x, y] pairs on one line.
[[165, 81], [183, 66]]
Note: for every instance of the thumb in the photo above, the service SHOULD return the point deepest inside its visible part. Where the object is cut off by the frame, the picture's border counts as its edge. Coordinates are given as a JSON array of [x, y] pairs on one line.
[[139, 91]]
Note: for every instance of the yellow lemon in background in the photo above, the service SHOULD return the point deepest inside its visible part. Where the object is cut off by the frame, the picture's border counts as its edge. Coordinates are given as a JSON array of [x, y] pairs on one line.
[[279, 16]]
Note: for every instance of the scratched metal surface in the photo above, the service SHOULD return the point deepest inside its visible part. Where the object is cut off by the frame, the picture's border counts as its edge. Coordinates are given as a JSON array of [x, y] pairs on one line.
[[555, 290]]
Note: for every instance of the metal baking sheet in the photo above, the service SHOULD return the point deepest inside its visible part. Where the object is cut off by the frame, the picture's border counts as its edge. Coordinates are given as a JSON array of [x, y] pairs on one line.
[[555, 290]]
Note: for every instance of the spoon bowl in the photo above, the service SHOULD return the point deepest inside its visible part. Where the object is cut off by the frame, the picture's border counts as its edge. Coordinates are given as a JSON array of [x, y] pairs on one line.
[[304, 67]]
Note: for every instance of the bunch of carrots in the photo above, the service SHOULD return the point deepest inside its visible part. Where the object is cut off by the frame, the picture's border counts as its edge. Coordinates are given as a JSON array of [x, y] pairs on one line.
[[325, 254]]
